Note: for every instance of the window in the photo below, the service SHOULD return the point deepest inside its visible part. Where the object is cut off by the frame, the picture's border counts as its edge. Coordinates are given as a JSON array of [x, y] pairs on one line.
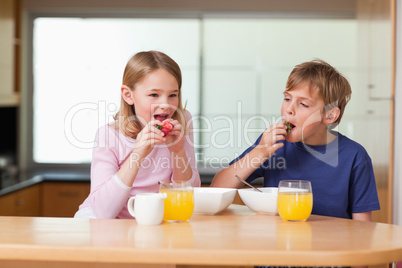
[[234, 73], [245, 69], [78, 69]]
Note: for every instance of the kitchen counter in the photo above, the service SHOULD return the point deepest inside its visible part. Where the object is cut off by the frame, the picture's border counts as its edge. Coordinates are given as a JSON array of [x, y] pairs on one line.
[[27, 179], [237, 237]]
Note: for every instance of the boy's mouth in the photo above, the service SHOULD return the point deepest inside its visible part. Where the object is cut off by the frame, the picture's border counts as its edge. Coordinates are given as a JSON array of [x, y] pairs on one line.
[[161, 117], [289, 126]]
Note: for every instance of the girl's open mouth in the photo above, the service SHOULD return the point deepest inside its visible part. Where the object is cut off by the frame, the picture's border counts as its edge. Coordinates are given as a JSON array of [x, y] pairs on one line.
[[161, 117]]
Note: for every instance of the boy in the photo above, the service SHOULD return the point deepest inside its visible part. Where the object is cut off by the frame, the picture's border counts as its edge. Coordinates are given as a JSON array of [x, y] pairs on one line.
[[305, 147]]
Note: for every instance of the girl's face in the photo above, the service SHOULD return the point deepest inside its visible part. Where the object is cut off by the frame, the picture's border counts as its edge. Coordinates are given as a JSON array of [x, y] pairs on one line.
[[303, 108], [156, 96]]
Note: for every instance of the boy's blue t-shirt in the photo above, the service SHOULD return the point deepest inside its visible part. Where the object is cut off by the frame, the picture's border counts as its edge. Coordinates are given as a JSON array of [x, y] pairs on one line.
[[341, 174]]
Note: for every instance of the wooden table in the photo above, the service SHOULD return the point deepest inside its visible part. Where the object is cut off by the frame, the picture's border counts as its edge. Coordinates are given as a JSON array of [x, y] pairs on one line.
[[237, 237]]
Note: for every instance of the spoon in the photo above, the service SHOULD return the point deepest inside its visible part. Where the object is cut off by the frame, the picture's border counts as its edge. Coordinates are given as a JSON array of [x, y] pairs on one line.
[[248, 184]]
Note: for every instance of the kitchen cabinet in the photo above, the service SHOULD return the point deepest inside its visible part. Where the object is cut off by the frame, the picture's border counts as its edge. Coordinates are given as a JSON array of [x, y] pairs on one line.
[[372, 97], [47, 199], [25, 202], [375, 47], [8, 96], [61, 199]]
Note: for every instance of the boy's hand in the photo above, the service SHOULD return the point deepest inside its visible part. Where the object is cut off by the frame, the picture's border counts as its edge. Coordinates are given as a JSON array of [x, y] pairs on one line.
[[270, 137]]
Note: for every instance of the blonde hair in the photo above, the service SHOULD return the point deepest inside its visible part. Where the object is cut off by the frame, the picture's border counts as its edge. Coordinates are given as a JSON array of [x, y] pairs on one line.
[[331, 85], [140, 65]]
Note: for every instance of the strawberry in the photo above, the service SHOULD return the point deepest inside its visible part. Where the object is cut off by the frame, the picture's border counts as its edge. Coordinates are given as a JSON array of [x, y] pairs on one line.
[[166, 127]]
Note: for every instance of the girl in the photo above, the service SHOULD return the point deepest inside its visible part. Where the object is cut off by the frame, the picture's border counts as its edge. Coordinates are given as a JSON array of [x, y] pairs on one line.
[[132, 154]]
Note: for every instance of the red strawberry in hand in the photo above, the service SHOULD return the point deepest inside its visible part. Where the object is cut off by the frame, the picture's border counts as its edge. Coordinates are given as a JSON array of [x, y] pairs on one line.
[[166, 127]]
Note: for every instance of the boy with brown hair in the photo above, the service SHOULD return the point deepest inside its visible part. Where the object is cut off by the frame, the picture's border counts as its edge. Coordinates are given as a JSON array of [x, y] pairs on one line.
[[305, 147]]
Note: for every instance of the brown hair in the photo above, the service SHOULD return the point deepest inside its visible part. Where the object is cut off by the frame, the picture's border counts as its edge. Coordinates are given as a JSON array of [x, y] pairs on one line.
[[331, 85], [140, 65]]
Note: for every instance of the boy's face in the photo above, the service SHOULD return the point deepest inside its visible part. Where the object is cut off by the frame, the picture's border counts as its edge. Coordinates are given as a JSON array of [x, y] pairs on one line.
[[303, 108]]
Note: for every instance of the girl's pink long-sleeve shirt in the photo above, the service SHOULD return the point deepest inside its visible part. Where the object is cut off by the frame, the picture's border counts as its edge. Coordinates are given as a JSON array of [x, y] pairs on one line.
[[108, 197]]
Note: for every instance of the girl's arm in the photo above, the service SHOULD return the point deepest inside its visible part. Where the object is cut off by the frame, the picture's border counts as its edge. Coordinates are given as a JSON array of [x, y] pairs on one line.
[[108, 194], [181, 166], [111, 184], [182, 154], [146, 139], [253, 160]]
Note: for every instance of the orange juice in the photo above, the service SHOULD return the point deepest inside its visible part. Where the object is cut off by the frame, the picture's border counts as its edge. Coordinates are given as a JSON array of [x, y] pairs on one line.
[[295, 206], [179, 204]]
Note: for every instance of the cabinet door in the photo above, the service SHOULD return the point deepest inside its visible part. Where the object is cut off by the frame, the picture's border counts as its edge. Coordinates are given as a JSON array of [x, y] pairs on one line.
[[62, 199], [372, 96], [25, 202], [7, 94]]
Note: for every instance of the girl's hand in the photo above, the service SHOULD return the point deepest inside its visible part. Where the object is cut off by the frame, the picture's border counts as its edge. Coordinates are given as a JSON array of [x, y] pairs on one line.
[[175, 138], [147, 138], [270, 137]]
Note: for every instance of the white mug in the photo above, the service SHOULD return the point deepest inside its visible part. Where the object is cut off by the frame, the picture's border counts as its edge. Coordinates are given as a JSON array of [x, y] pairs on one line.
[[147, 208]]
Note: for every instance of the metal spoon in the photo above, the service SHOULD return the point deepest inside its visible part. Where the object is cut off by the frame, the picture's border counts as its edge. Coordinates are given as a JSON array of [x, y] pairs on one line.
[[248, 184]]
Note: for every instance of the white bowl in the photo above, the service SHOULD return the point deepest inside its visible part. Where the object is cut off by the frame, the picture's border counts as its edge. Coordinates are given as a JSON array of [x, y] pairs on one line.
[[212, 200], [264, 203]]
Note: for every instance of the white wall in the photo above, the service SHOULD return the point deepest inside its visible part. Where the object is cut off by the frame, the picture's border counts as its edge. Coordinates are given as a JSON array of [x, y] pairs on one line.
[[397, 208]]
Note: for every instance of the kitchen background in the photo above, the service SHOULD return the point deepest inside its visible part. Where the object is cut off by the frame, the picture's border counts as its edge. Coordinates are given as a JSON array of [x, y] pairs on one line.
[[62, 62]]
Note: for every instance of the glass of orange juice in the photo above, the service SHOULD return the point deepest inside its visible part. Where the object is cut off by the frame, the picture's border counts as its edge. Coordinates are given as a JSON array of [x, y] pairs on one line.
[[179, 203], [295, 200]]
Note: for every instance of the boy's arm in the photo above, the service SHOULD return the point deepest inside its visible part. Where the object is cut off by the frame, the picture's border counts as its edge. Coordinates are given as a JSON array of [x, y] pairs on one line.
[[242, 168], [363, 216], [253, 160]]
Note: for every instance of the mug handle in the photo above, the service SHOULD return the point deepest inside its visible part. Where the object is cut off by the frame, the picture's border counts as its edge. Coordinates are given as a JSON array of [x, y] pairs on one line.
[[130, 206]]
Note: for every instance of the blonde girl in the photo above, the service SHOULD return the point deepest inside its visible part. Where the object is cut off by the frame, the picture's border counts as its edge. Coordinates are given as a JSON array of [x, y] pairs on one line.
[[131, 155]]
